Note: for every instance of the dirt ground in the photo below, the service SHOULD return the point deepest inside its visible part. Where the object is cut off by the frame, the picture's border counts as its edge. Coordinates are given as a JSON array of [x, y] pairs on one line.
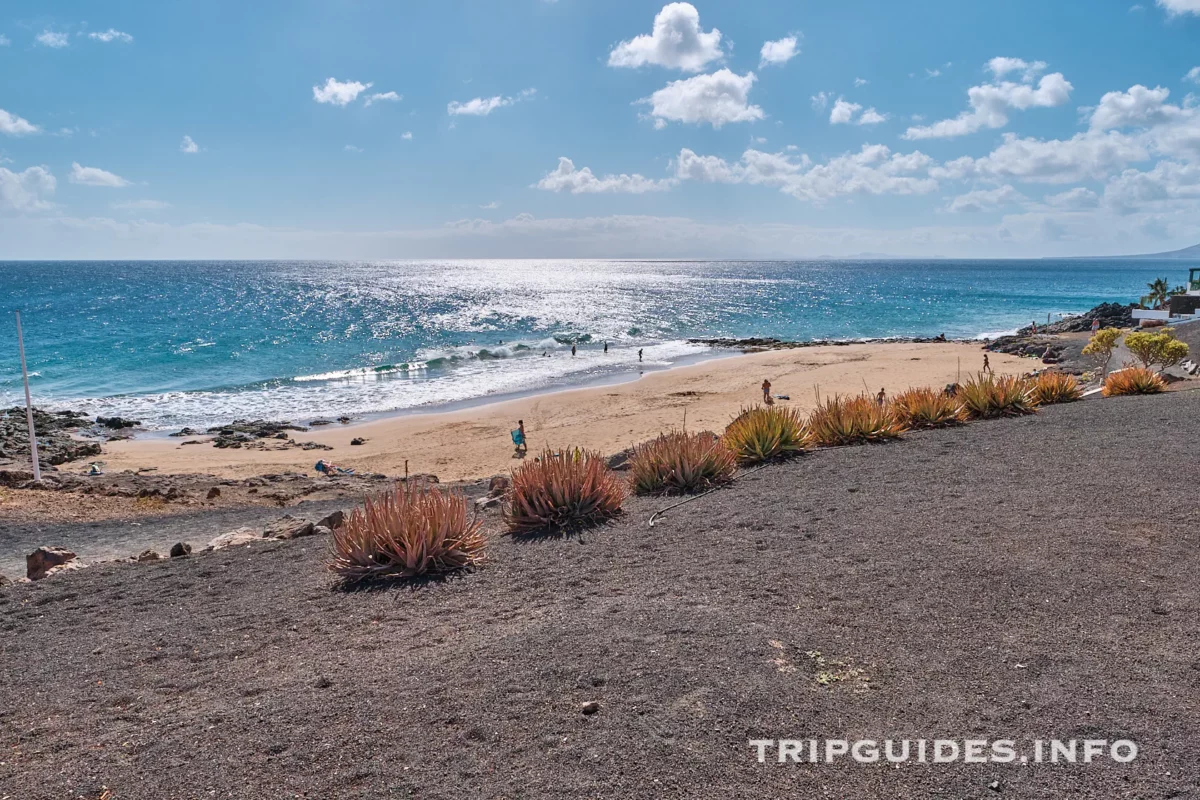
[[1024, 579]]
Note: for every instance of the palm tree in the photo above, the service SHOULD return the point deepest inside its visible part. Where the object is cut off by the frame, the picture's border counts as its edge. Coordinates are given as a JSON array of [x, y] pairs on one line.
[[1158, 292]]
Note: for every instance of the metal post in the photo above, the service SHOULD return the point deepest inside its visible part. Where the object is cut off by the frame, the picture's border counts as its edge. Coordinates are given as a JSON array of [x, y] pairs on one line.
[[37, 468]]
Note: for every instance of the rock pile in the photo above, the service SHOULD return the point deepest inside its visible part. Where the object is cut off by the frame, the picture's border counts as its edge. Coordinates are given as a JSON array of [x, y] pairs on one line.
[[55, 443], [1111, 315]]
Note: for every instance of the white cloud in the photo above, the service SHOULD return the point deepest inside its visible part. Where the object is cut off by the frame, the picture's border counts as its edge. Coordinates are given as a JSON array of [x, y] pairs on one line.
[[843, 112], [386, 97], [872, 170], [582, 181], [4, 40], [49, 38], [1085, 156], [110, 35], [13, 125], [990, 104], [141, 205], [820, 100], [482, 106], [1077, 199], [1139, 107], [778, 52], [871, 117], [932, 73], [337, 93], [188, 145], [1180, 6], [406, 136], [26, 191], [492, 206], [860, 82], [1167, 184], [717, 99], [676, 41], [1001, 66], [352, 149], [985, 200], [92, 176]]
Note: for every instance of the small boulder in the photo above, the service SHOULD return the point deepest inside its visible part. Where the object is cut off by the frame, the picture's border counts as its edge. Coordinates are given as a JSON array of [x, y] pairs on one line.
[[620, 461], [288, 527], [357, 440], [41, 561], [332, 521], [181, 549], [4, 581], [590, 707], [70, 566], [213, 493], [498, 485], [235, 538], [148, 555]]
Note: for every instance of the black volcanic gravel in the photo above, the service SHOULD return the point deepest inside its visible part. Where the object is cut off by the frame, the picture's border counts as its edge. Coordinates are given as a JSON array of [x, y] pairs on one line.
[[1024, 578]]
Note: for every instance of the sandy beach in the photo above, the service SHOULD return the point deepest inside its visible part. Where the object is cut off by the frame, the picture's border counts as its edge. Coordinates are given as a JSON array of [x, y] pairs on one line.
[[474, 442]]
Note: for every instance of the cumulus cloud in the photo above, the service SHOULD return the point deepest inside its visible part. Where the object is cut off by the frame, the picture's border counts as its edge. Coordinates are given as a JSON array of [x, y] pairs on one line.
[[582, 181], [860, 82], [93, 176], [778, 52], [990, 103], [383, 97], [1139, 107], [676, 41], [820, 100], [482, 106], [26, 191], [717, 99], [1001, 66], [1193, 75], [1077, 199], [843, 112], [873, 170], [406, 136], [1167, 184], [50, 38], [339, 93], [4, 40], [188, 145], [1174, 7], [1085, 156], [110, 35], [13, 125], [985, 200]]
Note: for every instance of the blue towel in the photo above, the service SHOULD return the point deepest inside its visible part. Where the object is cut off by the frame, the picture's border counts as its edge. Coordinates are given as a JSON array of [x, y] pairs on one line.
[[518, 437]]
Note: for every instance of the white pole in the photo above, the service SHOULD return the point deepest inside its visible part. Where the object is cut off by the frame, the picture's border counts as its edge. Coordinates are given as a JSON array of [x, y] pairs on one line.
[[37, 468]]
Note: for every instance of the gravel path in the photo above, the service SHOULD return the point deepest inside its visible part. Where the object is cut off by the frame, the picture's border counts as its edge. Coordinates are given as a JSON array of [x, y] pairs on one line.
[[1018, 579]]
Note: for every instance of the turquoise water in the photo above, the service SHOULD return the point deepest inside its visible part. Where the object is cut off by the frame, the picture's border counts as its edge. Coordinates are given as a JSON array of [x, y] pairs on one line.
[[188, 343]]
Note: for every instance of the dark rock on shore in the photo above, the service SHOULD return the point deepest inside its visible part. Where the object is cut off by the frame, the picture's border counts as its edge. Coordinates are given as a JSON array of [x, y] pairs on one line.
[[117, 423], [55, 443], [756, 344], [1111, 315], [187, 432], [45, 560], [181, 549]]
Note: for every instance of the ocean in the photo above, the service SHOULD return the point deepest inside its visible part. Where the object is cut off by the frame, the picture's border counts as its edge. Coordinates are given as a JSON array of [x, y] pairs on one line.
[[178, 343]]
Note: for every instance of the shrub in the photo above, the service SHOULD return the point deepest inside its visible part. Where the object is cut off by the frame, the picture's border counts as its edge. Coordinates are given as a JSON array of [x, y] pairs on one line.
[[988, 396], [1056, 387], [1133, 380], [764, 432], [681, 462], [559, 490], [853, 420], [926, 408], [1150, 349], [1101, 347], [406, 532]]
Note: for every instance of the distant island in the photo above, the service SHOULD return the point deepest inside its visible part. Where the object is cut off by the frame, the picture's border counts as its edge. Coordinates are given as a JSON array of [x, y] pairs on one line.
[[1192, 253]]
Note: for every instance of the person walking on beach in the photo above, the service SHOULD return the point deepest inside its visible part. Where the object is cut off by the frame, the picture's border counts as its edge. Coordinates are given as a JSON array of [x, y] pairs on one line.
[[606, 348], [639, 354], [881, 398], [519, 437], [1095, 325], [1033, 328], [986, 366], [572, 350], [766, 387]]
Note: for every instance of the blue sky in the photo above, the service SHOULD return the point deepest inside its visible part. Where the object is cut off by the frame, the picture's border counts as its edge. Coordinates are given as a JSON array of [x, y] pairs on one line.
[[760, 129]]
